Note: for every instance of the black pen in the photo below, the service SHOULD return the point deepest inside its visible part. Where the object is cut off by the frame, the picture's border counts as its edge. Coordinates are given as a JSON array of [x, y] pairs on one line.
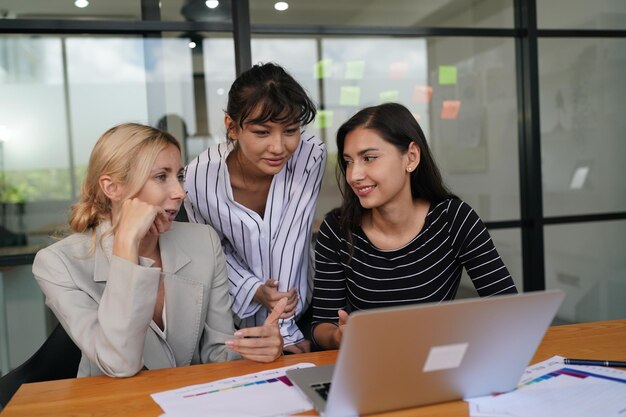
[[593, 362]]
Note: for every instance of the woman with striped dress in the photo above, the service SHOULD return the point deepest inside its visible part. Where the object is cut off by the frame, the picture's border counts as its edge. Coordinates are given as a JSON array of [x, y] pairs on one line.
[[259, 190]]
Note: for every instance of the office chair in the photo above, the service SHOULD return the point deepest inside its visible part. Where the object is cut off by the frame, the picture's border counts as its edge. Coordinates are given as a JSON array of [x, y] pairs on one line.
[[57, 358]]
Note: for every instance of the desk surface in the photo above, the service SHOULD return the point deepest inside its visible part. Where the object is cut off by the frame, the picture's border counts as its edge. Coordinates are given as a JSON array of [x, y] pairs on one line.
[[104, 396], [18, 255]]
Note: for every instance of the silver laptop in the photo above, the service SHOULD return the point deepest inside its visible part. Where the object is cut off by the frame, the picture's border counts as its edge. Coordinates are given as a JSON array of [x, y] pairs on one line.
[[402, 357]]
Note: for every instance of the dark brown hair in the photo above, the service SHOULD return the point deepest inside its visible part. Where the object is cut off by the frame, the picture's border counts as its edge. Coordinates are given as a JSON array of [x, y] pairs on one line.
[[396, 125], [269, 93]]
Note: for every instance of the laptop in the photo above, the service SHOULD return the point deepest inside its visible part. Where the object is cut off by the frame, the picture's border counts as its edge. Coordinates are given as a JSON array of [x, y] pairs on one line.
[[400, 357]]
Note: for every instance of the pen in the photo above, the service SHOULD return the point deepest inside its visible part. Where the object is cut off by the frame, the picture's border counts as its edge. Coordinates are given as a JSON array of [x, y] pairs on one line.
[[593, 362]]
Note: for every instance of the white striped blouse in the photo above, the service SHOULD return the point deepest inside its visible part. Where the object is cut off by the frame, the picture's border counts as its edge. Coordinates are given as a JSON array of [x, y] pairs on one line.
[[427, 269], [275, 246]]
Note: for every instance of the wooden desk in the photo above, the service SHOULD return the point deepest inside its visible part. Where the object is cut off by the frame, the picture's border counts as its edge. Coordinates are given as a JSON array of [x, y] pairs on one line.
[[103, 396]]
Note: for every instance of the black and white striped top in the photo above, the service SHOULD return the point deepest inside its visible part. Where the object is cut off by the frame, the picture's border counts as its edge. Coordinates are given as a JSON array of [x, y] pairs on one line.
[[427, 269], [257, 248]]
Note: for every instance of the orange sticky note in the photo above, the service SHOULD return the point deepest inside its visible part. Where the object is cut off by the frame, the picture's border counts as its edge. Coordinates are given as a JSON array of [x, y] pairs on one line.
[[450, 109], [422, 93], [398, 70]]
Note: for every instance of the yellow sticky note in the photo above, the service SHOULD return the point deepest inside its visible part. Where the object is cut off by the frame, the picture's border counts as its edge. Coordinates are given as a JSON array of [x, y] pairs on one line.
[[389, 96], [323, 68], [350, 95], [447, 74], [398, 70], [324, 119], [450, 109], [422, 93], [355, 70]]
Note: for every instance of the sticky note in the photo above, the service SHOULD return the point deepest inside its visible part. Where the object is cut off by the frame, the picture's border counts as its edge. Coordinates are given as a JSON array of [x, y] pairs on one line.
[[398, 70], [355, 70], [422, 94], [350, 95], [389, 96], [324, 119], [323, 68], [447, 74], [450, 109]]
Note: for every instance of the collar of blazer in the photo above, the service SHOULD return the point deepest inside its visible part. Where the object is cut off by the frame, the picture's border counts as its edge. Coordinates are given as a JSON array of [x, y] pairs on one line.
[[172, 257]]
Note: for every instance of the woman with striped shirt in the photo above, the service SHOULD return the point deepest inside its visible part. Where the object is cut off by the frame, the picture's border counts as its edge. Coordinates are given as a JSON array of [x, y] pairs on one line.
[[259, 191], [400, 236]]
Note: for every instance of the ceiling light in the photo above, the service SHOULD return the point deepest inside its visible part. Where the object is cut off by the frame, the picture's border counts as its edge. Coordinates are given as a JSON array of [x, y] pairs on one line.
[[212, 4], [192, 44], [281, 6], [81, 3]]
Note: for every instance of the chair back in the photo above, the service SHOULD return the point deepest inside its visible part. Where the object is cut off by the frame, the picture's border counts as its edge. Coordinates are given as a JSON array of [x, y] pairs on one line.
[[57, 358]]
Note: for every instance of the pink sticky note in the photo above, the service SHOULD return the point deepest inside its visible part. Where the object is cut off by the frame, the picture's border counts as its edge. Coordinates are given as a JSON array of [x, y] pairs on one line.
[[450, 109], [422, 93], [398, 70]]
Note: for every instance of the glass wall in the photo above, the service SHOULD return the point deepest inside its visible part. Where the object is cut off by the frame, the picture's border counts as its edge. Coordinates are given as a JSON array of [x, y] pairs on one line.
[[59, 94], [582, 124], [461, 91], [587, 261], [601, 14]]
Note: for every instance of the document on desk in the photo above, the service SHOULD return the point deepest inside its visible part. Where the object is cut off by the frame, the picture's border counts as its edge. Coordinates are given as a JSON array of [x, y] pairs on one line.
[[553, 389], [267, 393]]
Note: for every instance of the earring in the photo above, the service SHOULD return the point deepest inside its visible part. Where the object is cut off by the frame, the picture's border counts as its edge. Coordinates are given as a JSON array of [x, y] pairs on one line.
[[409, 169]]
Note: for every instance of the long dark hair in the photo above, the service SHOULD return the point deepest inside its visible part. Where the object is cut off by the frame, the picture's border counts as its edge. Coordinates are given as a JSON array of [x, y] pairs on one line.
[[268, 88], [395, 124]]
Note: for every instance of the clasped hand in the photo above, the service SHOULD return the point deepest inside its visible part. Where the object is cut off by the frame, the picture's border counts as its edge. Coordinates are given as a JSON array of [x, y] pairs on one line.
[[263, 343], [268, 295]]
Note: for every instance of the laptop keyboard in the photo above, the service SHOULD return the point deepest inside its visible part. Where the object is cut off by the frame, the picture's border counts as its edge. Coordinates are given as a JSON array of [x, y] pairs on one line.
[[322, 389]]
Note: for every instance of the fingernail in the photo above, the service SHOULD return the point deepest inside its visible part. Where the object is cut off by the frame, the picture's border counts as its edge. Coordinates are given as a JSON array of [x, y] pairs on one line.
[[229, 343], [238, 333]]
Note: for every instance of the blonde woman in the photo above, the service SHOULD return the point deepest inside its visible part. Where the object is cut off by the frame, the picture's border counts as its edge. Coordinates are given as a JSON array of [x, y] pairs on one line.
[[134, 289]]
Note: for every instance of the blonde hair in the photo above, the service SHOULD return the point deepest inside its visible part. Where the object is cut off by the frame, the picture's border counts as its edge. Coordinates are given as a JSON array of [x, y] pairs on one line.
[[126, 153]]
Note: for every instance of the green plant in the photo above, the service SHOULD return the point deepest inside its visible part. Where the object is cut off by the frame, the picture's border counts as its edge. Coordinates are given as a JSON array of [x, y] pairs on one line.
[[10, 193]]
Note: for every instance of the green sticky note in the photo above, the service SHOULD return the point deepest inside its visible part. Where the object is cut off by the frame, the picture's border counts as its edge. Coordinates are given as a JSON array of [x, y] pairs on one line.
[[323, 68], [324, 119], [350, 95], [447, 74], [389, 96], [355, 70]]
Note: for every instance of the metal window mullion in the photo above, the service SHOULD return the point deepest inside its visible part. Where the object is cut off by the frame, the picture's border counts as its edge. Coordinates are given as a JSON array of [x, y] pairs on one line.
[[531, 192], [241, 35]]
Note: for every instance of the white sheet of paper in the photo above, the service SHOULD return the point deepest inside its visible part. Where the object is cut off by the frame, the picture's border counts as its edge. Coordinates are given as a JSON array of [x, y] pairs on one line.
[[545, 390], [267, 393]]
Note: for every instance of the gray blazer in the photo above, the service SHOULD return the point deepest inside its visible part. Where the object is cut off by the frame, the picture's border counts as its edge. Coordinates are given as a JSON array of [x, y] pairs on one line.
[[106, 303]]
